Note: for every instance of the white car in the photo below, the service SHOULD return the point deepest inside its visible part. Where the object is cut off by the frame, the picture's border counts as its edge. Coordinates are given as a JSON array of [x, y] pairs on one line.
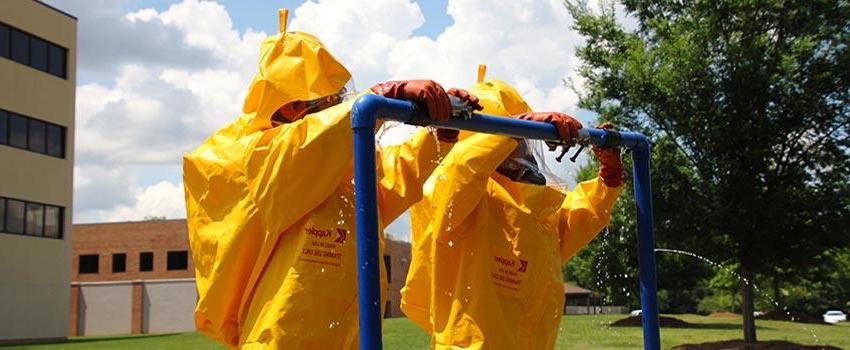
[[635, 312], [834, 316]]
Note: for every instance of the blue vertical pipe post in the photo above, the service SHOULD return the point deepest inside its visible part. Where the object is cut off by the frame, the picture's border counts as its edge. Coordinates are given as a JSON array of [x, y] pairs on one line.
[[366, 225], [646, 247], [368, 108]]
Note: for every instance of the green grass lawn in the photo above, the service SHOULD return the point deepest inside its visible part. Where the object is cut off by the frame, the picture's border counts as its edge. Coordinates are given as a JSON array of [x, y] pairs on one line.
[[577, 332]]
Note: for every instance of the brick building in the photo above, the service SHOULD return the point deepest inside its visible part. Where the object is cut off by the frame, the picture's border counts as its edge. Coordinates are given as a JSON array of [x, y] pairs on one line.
[[138, 277]]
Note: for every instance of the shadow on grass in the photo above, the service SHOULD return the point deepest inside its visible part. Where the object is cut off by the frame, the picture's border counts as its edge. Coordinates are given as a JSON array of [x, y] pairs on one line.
[[726, 326], [92, 339]]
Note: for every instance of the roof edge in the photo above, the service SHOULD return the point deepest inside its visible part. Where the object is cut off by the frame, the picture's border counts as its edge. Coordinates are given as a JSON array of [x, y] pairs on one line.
[[56, 9]]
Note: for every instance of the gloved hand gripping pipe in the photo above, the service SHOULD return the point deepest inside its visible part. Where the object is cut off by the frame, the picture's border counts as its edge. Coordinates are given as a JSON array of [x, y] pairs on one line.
[[368, 108]]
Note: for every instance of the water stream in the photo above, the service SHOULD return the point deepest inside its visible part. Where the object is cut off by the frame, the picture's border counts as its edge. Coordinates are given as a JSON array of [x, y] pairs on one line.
[[741, 278]]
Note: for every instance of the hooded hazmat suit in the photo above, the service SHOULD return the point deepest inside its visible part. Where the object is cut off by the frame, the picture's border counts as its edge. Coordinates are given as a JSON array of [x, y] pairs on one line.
[[270, 208], [487, 252]]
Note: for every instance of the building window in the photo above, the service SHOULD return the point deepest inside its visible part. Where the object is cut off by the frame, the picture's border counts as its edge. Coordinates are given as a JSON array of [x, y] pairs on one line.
[[145, 261], [56, 141], [38, 54], [178, 260], [388, 262], [17, 131], [32, 134], [35, 219], [4, 127], [88, 263], [14, 216], [30, 218], [30, 50], [52, 221], [20, 47], [4, 40], [57, 58], [119, 262], [37, 132]]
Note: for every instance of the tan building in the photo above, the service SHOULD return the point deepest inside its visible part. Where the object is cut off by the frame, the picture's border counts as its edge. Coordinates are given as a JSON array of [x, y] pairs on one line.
[[137, 277], [38, 46]]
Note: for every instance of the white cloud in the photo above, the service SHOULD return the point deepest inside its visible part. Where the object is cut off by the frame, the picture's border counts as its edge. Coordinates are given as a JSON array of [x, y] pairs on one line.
[[153, 86], [155, 83], [156, 200], [360, 33]]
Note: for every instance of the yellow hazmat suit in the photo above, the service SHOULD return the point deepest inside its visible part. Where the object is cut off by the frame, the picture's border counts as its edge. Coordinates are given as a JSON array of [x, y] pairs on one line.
[[487, 251], [270, 208]]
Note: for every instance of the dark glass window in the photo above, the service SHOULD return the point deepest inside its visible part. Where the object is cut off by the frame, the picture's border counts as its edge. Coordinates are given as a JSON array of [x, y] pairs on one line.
[[146, 261], [52, 221], [119, 262], [4, 127], [38, 54], [58, 58], [178, 260], [89, 263], [55, 140], [4, 40], [20, 47], [17, 131], [14, 216], [37, 132], [2, 214], [388, 262], [35, 219]]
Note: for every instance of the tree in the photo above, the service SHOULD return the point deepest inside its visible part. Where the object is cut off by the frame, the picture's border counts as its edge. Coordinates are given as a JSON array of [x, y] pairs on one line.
[[609, 264], [755, 96]]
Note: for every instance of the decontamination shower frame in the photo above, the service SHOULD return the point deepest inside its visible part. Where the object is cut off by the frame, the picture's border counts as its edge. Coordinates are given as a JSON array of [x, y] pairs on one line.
[[368, 108]]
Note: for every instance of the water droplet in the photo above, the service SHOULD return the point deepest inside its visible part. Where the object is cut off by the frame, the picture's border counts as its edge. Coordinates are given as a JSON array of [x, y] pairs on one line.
[[451, 244]]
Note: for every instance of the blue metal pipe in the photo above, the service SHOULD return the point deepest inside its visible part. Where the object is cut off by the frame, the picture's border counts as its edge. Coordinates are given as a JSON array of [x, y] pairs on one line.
[[368, 108], [646, 247]]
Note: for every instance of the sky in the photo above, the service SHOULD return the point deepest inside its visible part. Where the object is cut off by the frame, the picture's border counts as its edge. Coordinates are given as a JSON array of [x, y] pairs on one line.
[[154, 78]]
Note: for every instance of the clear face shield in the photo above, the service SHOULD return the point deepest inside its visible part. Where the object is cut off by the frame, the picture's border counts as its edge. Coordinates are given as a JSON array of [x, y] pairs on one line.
[[298, 109], [532, 163]]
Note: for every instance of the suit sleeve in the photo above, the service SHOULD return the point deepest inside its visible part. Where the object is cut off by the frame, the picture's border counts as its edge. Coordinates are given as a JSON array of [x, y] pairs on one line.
[[460, 182], [583, 214], [403, 169], [294, 167]]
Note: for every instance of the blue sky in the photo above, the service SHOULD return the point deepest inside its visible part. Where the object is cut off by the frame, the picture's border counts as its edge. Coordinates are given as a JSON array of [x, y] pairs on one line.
[[255, 14]]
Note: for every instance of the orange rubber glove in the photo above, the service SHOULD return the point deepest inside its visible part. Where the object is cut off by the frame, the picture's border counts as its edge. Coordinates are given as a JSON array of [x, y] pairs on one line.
[[450, 135], [566, 125], [610, 164], [427, 92]]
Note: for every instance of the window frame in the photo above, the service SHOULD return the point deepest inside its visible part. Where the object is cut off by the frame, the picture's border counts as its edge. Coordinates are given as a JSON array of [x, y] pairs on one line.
[[181, 255], [10, 116], [4, 228], [4, 130], [12, 51], [28, 121], [141, 254], [51, 48], [23, 218], [27, 222], [32, 124], [123, 262], [8, 54], [80, 264]]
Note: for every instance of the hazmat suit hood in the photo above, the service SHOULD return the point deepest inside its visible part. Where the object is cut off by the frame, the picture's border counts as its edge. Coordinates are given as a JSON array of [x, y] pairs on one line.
[[293, 66]]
